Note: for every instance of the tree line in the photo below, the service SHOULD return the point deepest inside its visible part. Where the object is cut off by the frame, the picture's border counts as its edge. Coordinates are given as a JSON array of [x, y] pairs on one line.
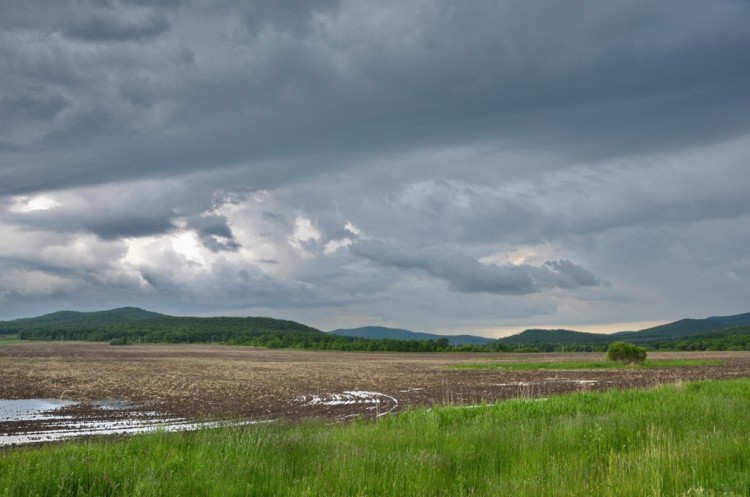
[[276, 334]]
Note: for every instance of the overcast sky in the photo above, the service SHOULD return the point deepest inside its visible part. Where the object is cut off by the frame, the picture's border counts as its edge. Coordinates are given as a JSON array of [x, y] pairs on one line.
[[456, 167]]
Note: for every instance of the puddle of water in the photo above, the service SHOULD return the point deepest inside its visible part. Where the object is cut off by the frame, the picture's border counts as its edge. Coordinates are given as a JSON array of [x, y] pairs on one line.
[[112, 405], [38, 420], [350, 397], [128, 427], [29, 409]]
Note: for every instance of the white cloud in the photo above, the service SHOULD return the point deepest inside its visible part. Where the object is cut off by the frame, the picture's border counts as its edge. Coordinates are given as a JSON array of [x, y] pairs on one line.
[[25, 204], [19, 283]]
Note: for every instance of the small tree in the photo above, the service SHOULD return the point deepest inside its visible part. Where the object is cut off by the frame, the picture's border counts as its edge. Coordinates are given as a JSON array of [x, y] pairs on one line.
[[626, 353]]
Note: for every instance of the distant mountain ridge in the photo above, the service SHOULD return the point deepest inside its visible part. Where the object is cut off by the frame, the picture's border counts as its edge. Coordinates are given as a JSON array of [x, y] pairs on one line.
[[67, 319], [537, 336], [135, 322], [686, 327], [683, 328], [129, 325], [381, 332]]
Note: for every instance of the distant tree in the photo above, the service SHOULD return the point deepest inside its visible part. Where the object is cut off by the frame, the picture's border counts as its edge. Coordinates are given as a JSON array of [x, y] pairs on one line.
[[626, 353]]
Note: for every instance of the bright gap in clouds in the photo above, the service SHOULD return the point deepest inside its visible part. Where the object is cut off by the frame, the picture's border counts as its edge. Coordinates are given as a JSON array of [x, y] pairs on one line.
[[188, 245], [144, 251], [26, 204], [304, 230]]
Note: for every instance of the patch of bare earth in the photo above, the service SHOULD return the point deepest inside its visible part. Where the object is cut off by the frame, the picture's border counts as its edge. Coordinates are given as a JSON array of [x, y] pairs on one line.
[[213, 381]]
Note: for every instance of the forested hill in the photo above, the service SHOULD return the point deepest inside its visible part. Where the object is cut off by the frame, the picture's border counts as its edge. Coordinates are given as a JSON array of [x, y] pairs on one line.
[[381, 332], [671, 335], [132, 325], [557, 337], [74, 319], [685, 328], [137, 325]]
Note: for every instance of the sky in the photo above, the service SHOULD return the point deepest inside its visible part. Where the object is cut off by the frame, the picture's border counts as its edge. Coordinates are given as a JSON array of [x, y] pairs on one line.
[[454, 167]]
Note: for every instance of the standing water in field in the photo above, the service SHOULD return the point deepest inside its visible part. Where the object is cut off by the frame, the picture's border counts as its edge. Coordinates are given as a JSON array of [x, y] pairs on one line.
[[28, 409], [27, 421]]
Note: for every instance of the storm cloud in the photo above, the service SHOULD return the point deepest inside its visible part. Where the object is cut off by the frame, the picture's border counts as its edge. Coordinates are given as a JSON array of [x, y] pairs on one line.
[[343, 162], [465, 274]]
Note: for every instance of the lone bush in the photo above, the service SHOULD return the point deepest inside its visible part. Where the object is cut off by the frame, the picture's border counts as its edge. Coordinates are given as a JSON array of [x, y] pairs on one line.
[[626, 353]]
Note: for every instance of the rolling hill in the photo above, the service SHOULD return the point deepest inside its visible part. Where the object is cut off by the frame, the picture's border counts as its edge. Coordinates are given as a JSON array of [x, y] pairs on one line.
[[685, 327], [380, 333], [681, 329], [71, 319], [556, 337], [132, 325], [136, 324]]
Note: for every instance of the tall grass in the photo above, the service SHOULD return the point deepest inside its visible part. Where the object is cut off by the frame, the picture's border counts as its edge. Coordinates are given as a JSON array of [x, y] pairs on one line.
[[682, 440]]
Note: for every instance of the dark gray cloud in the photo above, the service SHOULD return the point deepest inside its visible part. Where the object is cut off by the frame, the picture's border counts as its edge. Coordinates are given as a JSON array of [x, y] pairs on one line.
[[214, 232], [465, 274], [228, 285], [110, 213], [337, 157], [294, 16], [563, 274], [170, 4], [35, 103], [102, 29], [362, 79]]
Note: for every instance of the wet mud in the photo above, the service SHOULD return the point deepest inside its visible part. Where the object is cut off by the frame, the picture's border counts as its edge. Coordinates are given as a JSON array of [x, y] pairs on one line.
[[189, 383]]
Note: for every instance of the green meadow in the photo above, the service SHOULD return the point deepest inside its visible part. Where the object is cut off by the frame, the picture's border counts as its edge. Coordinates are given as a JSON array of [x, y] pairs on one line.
[[603, 364], [682, 440]]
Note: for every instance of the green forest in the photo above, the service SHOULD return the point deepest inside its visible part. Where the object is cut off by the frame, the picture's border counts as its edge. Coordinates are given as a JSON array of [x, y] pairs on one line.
[[132, 326], [128, 326]]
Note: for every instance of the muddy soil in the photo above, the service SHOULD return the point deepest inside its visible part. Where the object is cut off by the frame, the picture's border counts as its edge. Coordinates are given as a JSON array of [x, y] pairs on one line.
[[219, 382]]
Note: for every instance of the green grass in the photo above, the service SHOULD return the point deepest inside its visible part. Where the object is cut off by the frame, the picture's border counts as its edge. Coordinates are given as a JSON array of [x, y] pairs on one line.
[[603, 364], [7, 339], [678, 441]]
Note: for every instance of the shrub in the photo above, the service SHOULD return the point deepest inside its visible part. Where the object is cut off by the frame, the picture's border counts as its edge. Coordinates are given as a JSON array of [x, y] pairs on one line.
[[626, 353], [119, 341]]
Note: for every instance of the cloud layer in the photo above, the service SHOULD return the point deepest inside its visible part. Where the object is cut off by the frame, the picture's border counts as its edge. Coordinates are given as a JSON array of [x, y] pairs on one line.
[[424, 164]]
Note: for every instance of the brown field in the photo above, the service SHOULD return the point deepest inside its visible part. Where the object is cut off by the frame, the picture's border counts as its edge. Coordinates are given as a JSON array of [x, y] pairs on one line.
[[214, 381]]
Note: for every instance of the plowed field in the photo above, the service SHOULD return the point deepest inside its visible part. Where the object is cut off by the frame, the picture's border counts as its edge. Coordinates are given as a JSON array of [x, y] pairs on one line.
[[214, 381]]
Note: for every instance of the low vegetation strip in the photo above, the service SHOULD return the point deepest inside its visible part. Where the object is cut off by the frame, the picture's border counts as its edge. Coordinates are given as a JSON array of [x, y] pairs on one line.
[[569, 365], [682, 440]]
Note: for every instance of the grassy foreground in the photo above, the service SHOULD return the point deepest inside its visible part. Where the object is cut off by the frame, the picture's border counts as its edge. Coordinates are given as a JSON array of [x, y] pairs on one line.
[[683, 440]]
